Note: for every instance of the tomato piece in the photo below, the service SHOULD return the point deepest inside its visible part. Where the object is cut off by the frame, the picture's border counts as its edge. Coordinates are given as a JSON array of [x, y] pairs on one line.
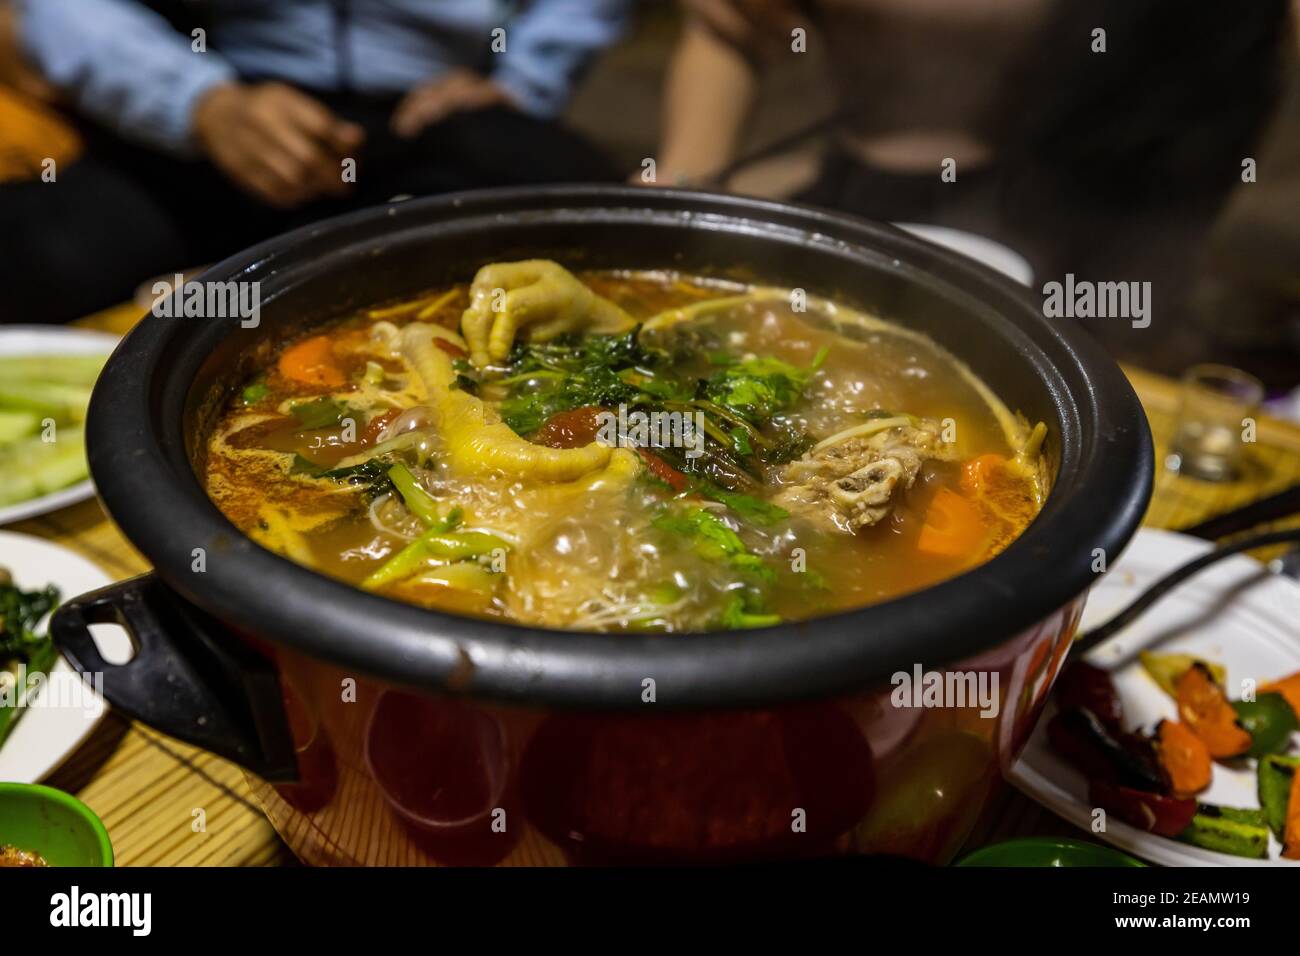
[[370, 435], [575, 428], [1152, 812], [664, 471]]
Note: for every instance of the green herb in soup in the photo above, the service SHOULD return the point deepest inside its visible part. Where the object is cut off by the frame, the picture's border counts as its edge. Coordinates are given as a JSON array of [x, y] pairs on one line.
[[624, 451]]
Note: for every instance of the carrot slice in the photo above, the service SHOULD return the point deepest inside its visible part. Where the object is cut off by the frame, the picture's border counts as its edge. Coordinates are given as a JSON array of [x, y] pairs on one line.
[[1205, 709], [312, 362], [1185, 758], [1291, 834], [1289, 688], [953, 527], [976, 472]]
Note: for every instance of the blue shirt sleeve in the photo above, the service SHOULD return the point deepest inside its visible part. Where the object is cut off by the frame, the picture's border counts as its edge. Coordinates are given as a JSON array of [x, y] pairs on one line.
[[549, 44], [122, 65]]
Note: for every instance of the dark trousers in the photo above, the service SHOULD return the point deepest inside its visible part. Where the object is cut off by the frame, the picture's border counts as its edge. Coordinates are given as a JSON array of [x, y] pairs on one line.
[[122, 214]]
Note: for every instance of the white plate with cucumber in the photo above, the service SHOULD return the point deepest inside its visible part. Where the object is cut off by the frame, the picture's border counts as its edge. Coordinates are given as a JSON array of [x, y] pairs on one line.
[[46, 374]]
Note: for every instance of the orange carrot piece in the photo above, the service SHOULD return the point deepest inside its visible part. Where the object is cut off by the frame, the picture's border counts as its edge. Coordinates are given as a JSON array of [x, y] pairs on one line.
[[1291, 832], [1185, 758], [976, 472], [953, 527], [1205, 709], [1289, 688], [312, 362]]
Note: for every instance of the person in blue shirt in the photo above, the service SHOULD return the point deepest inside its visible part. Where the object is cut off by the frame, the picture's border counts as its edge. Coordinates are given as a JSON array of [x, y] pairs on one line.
[[216, 123]]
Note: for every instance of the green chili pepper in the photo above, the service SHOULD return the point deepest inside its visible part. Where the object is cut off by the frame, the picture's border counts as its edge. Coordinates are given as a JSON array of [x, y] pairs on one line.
[[1269, 720]]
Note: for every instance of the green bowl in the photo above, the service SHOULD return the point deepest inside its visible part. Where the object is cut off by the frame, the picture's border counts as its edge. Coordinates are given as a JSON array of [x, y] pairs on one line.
[[54, 824], [1048, 851]]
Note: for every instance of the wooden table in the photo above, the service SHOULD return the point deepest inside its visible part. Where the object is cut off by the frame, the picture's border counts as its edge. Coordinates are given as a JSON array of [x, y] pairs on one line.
[[149, 788]]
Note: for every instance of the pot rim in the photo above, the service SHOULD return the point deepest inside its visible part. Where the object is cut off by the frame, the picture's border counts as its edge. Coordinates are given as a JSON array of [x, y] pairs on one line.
[[137, 450]]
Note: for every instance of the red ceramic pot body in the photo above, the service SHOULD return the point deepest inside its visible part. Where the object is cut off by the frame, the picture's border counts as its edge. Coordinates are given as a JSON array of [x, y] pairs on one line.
[[394, 777]]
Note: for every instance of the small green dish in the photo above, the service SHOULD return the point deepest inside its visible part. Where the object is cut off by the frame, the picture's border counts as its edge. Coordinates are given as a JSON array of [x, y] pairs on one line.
[[54, 824], [1048, 851]]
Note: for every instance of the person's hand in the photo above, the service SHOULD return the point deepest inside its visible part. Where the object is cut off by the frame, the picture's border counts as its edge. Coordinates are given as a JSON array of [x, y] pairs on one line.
[[759, 25], [456, 91], [281, 145]]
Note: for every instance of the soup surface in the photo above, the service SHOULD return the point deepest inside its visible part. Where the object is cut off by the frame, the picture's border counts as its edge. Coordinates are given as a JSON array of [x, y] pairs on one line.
[[624, 451]]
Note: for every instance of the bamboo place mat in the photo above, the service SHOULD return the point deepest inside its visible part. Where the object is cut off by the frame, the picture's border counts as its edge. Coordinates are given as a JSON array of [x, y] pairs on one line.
[[166, 803]]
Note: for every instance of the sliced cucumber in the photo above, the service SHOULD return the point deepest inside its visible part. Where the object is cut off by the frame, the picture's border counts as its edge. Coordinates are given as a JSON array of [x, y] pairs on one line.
[[63, 403], [15, 426], [32, 467], [57, 369]]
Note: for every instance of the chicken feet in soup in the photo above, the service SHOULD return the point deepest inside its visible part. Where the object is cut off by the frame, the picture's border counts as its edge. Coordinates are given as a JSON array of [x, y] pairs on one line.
[[624, 451]]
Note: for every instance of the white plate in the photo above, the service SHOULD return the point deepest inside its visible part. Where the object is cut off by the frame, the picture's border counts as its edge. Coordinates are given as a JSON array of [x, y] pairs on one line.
[[51, 340], [980, 248], [48, 732], [1236, 613]]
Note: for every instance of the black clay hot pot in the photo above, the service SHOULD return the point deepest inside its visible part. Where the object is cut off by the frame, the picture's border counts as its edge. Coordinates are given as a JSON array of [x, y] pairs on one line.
[[382, 733]]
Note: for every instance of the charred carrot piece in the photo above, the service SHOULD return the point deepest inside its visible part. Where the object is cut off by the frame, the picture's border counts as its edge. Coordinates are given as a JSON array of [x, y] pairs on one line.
[[1203, 706], [976, 472], [1185, 758], [312, 362], [954, 527]]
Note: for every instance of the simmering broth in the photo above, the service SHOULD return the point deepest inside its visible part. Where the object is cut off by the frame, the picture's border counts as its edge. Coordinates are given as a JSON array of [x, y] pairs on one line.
[[624, 451]]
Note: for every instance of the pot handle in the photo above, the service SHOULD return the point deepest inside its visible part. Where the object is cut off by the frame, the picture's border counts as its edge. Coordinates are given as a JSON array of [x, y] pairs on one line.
[[186, 679]]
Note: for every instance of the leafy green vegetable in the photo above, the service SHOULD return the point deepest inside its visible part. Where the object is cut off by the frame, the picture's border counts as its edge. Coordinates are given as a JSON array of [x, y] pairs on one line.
[[758, 388], [438, 542], [20, 646], [735, 404], [19, 613], [420, 502], [747, 506], [254, 393], [319, 413], [788, 444], [546, 378], [528, 411], [372, 474], [713, 539], [737, 616]]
